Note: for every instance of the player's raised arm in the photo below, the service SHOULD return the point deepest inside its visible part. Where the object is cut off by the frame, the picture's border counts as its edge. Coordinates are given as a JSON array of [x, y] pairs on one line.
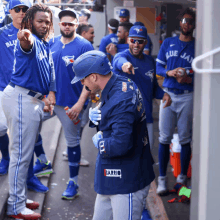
[[26, 39]]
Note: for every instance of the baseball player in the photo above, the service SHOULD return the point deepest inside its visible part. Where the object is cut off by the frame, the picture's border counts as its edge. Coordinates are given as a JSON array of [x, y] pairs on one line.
[[124, 15], [139, 67], [148, 47], [8, 38], [23, 101], [84, 16], [87, 32], [111, 37], [121, 140], [65, 49], [174, 63], [123, 32]]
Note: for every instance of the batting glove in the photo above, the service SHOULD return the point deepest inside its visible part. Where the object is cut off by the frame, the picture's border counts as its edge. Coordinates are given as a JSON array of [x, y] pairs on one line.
[[95, 114], [96, 138]]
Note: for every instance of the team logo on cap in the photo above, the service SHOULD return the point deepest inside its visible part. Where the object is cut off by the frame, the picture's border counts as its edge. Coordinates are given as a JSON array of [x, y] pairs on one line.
[[138, 29], [68, 60]]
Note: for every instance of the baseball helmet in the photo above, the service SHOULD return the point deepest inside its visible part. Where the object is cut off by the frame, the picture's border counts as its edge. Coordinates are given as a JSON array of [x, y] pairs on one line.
[[90, 62], [138, 31]]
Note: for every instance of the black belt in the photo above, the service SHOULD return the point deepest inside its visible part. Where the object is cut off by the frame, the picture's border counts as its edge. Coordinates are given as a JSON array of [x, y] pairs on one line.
[[31, 93]]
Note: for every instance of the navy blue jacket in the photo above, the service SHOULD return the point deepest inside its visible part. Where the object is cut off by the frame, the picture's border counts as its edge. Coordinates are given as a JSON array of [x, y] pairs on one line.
[[124, 162]]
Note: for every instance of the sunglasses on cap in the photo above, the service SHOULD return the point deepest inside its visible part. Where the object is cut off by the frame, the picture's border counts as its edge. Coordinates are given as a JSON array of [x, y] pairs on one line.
[[70, 24], [187, 20], [17, 9], [140, 41]]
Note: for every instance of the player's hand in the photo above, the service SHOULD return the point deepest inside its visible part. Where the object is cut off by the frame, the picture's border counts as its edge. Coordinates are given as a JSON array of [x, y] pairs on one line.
[[95, 114], [111, 49], [25, 35], [96, 138], [128, 68], [48, 107], [172, 73], [52, 98], [167, 100], [75, 111]]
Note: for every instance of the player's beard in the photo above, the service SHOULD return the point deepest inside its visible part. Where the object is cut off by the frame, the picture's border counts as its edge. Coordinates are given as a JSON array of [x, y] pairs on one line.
[[34, 31], [187, 33], [70, 35], [136, 55], [121, 41]]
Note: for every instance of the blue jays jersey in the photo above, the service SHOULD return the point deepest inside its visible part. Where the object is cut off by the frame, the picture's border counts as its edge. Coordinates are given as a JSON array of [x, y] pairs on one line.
[[122, 47], [64, 56], [124, 162], [8, 39], [111, 38], [34, 69], [175, 53], [144, 78]]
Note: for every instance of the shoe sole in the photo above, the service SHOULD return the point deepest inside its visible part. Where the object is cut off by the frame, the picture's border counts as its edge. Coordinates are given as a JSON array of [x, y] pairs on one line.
[[45, 172], [162, 193], [69, 198]]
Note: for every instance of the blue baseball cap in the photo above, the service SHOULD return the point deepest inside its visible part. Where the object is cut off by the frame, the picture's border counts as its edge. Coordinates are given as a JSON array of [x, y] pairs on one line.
[[68, 11], [93, 61], [138, 31], [124, 13], [138, 23], [15, 3]]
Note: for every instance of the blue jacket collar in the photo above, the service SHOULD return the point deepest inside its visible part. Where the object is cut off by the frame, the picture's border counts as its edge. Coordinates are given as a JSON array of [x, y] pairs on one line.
[[108, 86]]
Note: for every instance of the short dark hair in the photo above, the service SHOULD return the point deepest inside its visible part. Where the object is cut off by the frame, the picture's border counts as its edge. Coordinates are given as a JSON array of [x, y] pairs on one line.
[[189, 11], [114, 24], [126, 25], [83, 27]]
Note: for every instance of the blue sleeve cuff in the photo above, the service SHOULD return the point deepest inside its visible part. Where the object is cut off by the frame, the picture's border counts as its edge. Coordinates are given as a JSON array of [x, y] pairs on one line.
[[160, 70]]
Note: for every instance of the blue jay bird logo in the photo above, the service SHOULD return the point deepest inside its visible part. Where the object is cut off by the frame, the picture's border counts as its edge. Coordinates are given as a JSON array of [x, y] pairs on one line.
[[68, 60], [150, 73], [138, 30]]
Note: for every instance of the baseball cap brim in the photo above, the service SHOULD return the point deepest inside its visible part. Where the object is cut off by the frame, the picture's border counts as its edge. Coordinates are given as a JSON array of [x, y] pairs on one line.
[[76, 79], [135, 35], [70, 12], [13, 4]]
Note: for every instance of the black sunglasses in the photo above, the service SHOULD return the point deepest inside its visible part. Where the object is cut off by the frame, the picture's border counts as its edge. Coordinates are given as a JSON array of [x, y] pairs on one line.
[[187, 20], [17, 9], [133, 41]]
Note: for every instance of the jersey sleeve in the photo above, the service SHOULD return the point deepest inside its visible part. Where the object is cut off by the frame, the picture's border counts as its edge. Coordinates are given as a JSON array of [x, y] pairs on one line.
[[161, 60], [32, 51], [118, 61], [102, 46], [158, 92], [53, 77], [119, 143]]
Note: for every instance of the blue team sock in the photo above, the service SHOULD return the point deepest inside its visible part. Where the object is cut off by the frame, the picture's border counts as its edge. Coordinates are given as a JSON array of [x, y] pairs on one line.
[[39, 150], [185, 158], [164, 155], [30, 169], [74, 155], [4, 142]]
